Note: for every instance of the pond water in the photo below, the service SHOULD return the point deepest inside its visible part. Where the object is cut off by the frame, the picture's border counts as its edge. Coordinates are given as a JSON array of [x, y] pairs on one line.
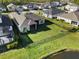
[[64, 55]]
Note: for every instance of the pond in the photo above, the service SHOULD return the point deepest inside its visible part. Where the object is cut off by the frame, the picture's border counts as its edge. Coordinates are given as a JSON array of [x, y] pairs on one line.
[[70, 54]]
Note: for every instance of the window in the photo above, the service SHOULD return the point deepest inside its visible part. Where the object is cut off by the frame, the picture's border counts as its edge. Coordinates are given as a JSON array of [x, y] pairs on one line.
[[41, 21], [74, 22]]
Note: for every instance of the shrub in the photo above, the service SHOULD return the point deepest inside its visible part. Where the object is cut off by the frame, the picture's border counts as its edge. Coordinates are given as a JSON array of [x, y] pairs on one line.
[[74, 29], [12, 45], [62, 20]]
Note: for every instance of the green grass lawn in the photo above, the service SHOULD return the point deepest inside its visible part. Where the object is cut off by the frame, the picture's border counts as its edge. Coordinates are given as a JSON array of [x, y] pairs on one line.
[[45, 42], [52, 31]]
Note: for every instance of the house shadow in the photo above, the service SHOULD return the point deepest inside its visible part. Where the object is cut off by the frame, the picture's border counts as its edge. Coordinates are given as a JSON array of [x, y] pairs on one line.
[[47, 22], [42, 27], [22, 38], [24, 41]]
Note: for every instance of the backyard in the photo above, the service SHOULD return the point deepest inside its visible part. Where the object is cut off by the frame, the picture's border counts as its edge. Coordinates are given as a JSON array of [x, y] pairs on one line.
[[49, 38]]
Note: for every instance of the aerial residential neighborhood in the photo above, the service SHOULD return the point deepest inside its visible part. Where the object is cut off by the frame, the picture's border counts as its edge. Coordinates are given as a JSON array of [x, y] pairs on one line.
[[39, 29]]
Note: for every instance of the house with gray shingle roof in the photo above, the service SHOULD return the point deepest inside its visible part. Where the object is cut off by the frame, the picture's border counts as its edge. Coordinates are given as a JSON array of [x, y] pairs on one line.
[[11, 7], [71, 7], [31, 6], [50, 13], [72, 18], [35, 18], [26, 22]]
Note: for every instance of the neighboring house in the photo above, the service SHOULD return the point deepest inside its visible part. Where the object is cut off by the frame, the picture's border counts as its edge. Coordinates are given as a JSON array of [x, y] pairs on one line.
[[2, 8], [11, 7], [50, 13], [55, 4], [24, 7], [64, 2], [6, 30], [19, 9], [71, 8], [72, 18], [32, 6], [26, 22], [40, 5], [46, 5], [51, 5], [35, 18]]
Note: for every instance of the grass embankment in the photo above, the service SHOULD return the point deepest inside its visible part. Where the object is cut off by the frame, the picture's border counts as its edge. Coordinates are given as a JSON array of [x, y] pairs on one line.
[[45, 42]]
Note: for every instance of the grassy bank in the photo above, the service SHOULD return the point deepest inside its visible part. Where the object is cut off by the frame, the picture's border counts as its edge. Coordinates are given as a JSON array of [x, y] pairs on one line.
[[45, 42]]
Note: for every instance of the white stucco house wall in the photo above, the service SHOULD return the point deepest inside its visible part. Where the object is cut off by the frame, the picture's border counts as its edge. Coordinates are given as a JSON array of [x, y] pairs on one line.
[[72, 18], [65, 19]]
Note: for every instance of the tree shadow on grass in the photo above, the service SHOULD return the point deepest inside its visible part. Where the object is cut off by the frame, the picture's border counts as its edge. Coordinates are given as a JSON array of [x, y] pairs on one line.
[[47, 22], [40, 29], [23, 39]]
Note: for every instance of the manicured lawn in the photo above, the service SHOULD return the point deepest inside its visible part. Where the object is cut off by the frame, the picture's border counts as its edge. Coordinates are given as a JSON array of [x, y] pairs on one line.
[[51, 30], [51, 39]]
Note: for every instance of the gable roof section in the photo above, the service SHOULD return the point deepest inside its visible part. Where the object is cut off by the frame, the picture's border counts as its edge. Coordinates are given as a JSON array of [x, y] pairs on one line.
[[20, 18], [77, 15], [28, 22], [72, 16], [33, 16]]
